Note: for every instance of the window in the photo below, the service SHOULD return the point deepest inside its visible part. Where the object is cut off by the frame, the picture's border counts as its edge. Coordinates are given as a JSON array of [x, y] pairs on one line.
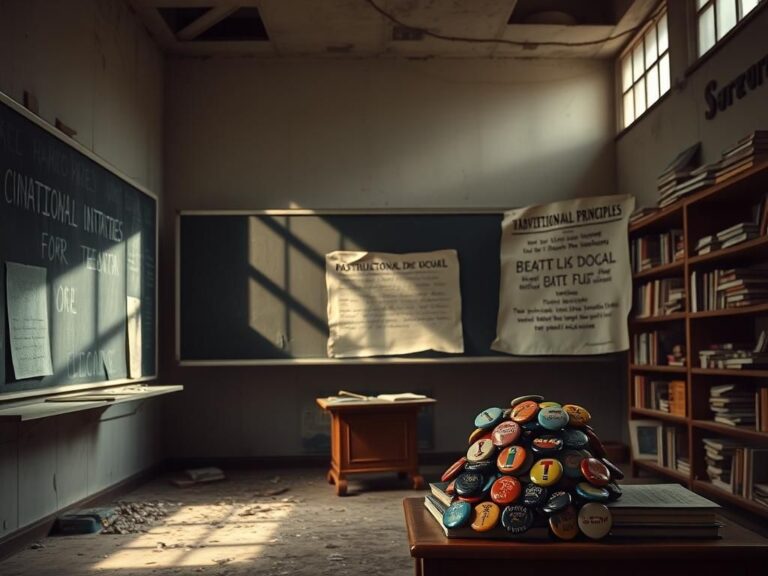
[[645, 68], [717, 17]]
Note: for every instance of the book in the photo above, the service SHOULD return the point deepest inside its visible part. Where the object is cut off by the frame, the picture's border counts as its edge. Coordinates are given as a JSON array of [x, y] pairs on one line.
[[438, 491], [401, 397]]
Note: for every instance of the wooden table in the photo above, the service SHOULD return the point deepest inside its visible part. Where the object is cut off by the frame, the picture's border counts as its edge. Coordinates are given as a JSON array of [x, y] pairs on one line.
[[373, 436], [738, 552]]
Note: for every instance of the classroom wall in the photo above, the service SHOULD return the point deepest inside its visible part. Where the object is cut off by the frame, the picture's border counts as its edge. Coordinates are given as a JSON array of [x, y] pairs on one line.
[[91, 64], [369, 134], [647, 147]]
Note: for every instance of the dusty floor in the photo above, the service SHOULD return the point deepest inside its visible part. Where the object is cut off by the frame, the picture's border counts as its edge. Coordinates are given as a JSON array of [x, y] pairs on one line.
[[242, 525]]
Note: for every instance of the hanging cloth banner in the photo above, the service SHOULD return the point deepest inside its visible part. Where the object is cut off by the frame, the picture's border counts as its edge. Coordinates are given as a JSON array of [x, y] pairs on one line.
[[566, 283], [382, 304]]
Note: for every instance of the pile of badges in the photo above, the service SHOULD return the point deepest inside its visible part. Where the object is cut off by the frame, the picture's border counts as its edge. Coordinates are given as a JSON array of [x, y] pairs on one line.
[[535, 463]]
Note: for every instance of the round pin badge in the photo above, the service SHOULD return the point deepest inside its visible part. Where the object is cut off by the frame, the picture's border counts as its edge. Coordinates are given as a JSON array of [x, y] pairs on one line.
[[506, 490], [574, 438], [571, 460], [485, 517], [512, 460], [564, 524], [457, 514], [525, 411], [469, 483], [546, 472], [534, 496], [549, 404], [615, 471], [505, 433], [483, 449], [489, 418], [477, 434], [530, 430], [595, 520], [546, 445], [577, 415], [553, 418], [595, 472], [520, 399], [484, 467], [517, 519], [557, 501], [587, 491], [453, 470]]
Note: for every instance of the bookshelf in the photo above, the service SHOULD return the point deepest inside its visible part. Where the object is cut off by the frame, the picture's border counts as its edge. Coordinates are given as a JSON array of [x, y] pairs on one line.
[[699, 330]]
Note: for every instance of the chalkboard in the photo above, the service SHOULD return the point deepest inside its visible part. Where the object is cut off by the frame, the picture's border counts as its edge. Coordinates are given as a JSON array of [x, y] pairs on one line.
[[251, 287], [92, 233]]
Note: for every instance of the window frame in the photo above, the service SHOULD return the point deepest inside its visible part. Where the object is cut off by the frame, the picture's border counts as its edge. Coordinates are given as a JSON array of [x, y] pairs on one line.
[[698, 12], [628, 56]]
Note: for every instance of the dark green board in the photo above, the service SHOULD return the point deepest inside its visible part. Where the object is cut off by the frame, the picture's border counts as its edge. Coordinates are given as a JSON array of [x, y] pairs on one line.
[[94, 233], [252, 287]]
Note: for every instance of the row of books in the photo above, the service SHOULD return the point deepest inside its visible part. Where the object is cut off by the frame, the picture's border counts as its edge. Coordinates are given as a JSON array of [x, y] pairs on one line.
[[659, 297], [673, 448], [736, 355], [737, 468], [729, 288], [656, 250], [682, 177], [662, 395], [658, 348], [643, 511], [731, 236], [733, 405]]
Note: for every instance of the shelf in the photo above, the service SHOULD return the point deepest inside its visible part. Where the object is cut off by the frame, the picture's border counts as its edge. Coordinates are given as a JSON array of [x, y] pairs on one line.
[[80, 401], [662, 369], [745, 311], [730, 373], [659, 319], [748, 434], [659, 415], [709, 489], [740, 179], [751, 248], [662, 218], [650, 466], [664, 270]]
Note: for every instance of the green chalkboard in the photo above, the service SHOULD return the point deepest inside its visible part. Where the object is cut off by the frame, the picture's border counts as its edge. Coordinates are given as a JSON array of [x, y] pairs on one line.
[[93, 233], [251, 287]]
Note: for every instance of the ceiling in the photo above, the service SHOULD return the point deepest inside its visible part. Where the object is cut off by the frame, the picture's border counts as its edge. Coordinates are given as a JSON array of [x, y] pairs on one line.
[[394, 28]]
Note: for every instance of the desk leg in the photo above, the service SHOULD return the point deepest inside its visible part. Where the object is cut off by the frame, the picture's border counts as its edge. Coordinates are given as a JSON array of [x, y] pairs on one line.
[[417, 481], [334, 477]]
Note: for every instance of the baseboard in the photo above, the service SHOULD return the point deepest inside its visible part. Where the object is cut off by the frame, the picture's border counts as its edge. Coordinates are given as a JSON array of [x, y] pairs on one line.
[[25, 536]]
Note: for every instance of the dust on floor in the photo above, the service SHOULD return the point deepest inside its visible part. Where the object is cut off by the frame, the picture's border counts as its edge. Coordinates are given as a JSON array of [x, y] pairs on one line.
[[276, 522]]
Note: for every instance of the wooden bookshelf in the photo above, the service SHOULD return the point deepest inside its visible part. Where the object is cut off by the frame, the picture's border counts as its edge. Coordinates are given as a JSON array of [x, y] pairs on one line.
[[701, 214]]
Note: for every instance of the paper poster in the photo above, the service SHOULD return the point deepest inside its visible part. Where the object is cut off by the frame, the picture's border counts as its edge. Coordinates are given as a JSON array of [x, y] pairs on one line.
[[134, 337], [566, 285], [27, 297], [380, 303]]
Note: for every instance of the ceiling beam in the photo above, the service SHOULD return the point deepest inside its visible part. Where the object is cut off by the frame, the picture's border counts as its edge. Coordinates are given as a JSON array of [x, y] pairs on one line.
[[206, 21]]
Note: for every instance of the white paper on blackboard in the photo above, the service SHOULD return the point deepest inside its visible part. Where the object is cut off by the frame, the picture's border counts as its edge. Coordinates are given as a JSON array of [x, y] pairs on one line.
[[27, 303], [566, 284], [381, 303], [134, 337]]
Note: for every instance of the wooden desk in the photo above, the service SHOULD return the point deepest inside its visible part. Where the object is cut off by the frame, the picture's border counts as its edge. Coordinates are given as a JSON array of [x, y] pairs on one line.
[[373, 436], [738, 552]]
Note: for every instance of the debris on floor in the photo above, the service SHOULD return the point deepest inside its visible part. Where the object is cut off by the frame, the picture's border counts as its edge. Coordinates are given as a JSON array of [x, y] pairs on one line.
[[194, 476]]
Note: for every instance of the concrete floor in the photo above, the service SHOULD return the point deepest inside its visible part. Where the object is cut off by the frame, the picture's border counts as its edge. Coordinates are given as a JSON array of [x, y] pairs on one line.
[[274, 522], [234, 527]]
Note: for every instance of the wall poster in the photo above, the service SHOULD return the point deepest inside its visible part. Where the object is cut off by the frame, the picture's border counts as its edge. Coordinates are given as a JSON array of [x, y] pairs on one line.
[[566, 285], [381, 303]]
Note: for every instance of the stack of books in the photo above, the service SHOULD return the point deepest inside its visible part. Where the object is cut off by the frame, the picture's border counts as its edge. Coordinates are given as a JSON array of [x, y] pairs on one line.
[[760, 493], [718, 454], [676, 175], [732, 405], [641, 213], [663, 511], [729, 288], [734, 356], [661, 395], [738, 233], [707, 244], [698, 179], [656, 250], [659, 297], [743, 155]]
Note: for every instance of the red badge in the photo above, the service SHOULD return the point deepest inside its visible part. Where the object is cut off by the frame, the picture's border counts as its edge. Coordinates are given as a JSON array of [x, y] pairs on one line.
[[505, 433], [506, 490], [453, 470], [512, 459], [595, 472], [525, 411]]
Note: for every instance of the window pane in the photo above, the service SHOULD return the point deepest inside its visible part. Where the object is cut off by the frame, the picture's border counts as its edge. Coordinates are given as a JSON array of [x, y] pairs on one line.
[[626, 72], [662, 32], [726, 16], [640, 97], [637, 61], [650, 47], [664, 78], [707, 30], [629, 108], [747, 5], [652, 84]]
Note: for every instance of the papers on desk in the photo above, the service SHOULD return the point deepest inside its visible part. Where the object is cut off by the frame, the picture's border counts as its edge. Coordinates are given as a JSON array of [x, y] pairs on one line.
[[352, 397]]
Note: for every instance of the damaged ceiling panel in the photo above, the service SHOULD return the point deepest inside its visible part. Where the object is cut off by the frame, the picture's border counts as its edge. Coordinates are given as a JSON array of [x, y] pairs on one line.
[[394, 28]]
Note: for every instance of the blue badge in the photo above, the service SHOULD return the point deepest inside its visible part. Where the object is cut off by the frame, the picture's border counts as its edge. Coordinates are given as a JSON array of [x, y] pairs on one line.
[[489, 418], [457, 514]]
